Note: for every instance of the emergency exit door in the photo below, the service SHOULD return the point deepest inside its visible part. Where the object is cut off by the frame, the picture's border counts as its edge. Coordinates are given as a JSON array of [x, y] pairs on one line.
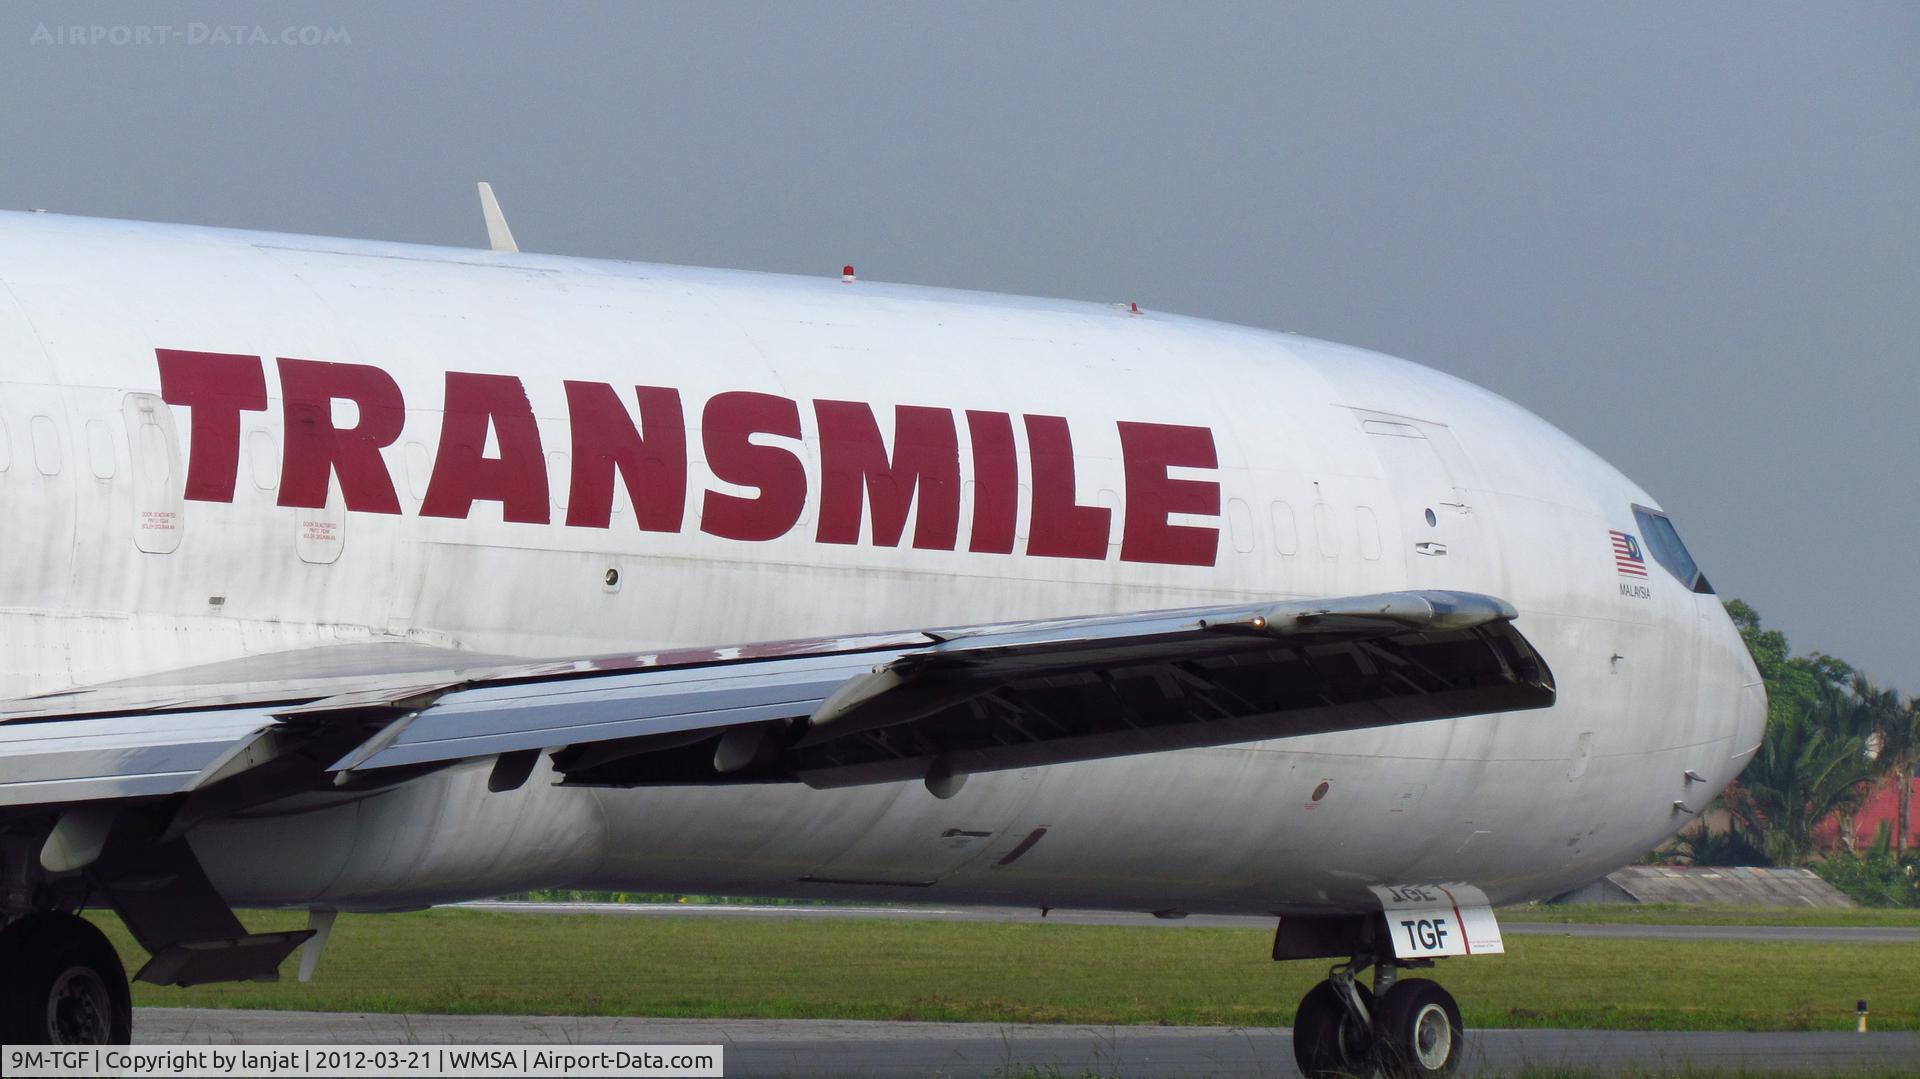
[[1442, 542]]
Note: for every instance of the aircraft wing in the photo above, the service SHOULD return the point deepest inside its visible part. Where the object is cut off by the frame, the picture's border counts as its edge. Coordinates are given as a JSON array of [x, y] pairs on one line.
[[934, 705], [115, 776]]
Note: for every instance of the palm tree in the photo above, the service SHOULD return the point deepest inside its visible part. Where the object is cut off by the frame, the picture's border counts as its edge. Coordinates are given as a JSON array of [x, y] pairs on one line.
[[1872, 715], [1900, 748], [1829, 733], [1808, 767]]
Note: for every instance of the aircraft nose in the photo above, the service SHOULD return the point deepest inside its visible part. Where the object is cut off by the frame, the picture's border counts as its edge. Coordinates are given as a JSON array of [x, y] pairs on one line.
[[1751, 724], [1733, 666]]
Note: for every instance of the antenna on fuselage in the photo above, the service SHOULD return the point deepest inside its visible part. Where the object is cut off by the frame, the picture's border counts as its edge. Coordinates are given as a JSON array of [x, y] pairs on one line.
[[499, 236]]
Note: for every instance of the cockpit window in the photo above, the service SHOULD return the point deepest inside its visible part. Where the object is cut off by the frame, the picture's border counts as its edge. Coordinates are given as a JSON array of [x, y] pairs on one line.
[[1667, 549]]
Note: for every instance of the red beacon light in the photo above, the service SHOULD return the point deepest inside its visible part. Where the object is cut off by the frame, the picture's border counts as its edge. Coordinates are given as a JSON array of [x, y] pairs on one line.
[[846, 274]]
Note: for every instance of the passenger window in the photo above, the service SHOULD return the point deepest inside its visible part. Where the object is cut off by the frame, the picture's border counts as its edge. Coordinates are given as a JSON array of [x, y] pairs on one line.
[[1240, 525], [263, 460], [1286, 536], [1664, 543], [46, 445], [1369, 528], [1323, 531], [100, 450]]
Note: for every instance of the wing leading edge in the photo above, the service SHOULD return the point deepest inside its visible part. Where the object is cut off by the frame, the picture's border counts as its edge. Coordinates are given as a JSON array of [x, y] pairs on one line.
[[113, 789], [936, 705]]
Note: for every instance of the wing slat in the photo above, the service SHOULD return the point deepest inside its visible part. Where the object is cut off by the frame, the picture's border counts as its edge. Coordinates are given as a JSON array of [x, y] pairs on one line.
[[118, 756], [847, 710]]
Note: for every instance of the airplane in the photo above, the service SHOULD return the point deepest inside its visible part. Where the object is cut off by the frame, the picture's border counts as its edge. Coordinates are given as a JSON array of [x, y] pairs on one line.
[[363, 576]]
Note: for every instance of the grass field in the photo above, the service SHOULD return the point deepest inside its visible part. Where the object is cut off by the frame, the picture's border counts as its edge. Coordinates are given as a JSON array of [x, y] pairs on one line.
[[475, 962], [1682, 914]]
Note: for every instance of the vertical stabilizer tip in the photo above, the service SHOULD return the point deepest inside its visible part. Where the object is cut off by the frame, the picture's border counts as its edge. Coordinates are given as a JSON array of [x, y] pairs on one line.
[[499, 236]]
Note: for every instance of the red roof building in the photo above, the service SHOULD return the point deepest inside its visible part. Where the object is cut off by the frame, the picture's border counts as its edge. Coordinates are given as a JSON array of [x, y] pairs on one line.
[[1881, 807]]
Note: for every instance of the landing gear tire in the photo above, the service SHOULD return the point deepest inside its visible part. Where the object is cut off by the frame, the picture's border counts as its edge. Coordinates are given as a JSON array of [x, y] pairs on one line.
[[61, 983], [1417, 1030], [1329, 1041]]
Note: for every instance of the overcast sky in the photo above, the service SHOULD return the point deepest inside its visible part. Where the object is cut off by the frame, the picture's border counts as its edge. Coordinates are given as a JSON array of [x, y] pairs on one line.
[[1686, 234]]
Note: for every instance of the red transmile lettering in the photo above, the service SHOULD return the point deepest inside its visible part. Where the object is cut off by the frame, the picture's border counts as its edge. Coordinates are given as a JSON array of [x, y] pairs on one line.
[[490, 450]]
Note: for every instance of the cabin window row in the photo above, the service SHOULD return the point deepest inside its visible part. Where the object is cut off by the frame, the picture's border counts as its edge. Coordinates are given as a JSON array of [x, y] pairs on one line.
[[155, 453]]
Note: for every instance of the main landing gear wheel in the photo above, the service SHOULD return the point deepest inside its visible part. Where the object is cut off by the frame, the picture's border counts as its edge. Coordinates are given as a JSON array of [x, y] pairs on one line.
[[1417, 1030], [1329, 1040], [61, 984]]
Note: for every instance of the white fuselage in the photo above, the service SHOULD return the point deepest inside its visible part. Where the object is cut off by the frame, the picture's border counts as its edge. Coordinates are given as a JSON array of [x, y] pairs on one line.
[[1327, 462]]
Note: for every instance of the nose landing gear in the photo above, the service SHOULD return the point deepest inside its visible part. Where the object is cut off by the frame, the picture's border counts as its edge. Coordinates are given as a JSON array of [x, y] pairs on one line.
[[1418, 1029], [1398, 1030], [1333, 1030]]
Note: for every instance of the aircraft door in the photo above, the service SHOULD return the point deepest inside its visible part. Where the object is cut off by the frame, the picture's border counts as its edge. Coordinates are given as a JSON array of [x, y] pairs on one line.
[[154, 445], [1442, 541]]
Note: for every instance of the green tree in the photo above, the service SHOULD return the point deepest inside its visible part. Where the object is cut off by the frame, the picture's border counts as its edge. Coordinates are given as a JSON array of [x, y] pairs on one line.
[[1803, 773], [1794, 683], [1822, 718], [1901, 750], [1872, 715]]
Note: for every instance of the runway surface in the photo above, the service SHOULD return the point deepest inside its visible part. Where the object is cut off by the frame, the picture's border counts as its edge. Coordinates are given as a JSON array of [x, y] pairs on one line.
[[807, 1048], [1826, 934]]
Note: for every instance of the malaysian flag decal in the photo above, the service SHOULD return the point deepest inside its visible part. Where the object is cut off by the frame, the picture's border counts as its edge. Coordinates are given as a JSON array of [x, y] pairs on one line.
[[1626, 555]]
